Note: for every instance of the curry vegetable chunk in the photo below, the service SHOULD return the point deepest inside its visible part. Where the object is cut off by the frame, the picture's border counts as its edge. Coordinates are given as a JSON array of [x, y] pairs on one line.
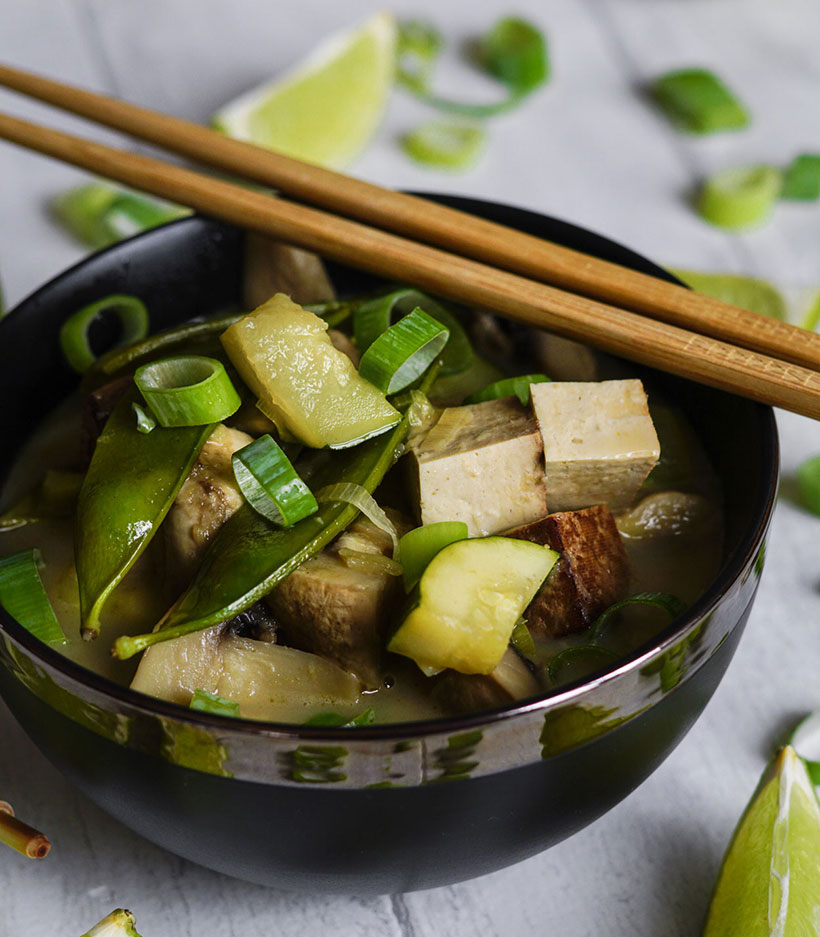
[[470, 597], [510, 680], [481, 464], [599, 442]]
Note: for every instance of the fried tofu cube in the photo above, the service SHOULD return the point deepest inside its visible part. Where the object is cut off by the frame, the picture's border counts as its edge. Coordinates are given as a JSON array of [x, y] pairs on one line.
[[511, 680], [599, 442], [481, 464], [592, 573]]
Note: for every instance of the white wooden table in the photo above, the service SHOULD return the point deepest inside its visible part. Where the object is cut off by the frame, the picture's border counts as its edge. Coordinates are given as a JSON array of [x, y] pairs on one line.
[[589, 149]]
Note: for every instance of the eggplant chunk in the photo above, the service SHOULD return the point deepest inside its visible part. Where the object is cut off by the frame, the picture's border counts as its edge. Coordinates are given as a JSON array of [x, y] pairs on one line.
[[511, 680], [599, 442], [592, 573], [338, 603], [273, 267], [208, 497], [482, 464], [268, 681]]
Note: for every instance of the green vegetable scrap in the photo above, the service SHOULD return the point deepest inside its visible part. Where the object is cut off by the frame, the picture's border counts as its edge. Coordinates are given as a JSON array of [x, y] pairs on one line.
[[214, 705], [697, 101], [445, 145], [75, 340], [740, 198], [418, 47], [747, 292], [801, 181], [808, 479], [119, 923], [338, 721], [22, 595]]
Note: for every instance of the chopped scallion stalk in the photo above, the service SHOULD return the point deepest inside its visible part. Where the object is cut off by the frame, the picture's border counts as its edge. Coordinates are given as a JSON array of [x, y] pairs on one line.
[[805, 740], [374, 317], [801, 181], [445, 145], [510, 386], [418, 47], [739, 198], [361, 498], [697, 101], [188, 390], [337, 721], [808, 479], [145, 422], [515, 52], [403, 352], [214, 705], [671, 604], [24, 598], [522, 640], [74, 339], [574, 663], [419, 546], [270, 484]]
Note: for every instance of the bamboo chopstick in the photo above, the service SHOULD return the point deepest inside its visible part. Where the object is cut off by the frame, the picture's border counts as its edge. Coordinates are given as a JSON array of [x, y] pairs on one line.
[[615, 330], [20, 836], [435, 224]]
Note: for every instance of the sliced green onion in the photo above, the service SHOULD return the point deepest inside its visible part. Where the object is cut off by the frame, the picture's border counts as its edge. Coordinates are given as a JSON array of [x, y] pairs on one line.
[[522, 640], [214, 705], [403, 352], [805, 740], [270, 484], [801, 181], [808, 480], [515, 52], [145, 422], [337, 721], [671, 604], [739, 198], [418, 46], [697, 101], [24, 598], [420, 545], [574, 663], [188, 390], [445, 144], [811, 315], [130, 214], [510, 386], [374, 317], [361, 498], [74, 339]]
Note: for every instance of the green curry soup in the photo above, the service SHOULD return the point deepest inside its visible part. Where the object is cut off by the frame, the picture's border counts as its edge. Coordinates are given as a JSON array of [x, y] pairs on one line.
[[253, 558]]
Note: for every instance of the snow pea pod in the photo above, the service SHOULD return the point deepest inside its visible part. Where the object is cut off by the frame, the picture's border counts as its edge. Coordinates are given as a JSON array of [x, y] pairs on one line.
[[248, 556], [130, 486]]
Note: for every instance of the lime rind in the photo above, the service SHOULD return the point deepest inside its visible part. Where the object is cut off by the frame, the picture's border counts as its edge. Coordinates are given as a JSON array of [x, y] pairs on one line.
[[328, 107]]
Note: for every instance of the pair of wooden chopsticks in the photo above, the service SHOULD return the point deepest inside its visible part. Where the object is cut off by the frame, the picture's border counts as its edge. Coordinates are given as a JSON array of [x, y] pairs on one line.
[[439, 249]]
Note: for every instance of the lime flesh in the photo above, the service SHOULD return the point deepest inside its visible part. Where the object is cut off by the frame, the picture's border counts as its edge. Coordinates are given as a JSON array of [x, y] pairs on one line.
[[327, 109], [769, 883]]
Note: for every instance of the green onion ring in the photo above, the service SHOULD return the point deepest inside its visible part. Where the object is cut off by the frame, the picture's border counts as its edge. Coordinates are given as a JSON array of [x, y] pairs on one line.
[[188, 390], [740, 198], [522, 640], [214, 705], [24, 598], [420, 545], [671, 604], [270, 484], [74, 341], [403, 352], [590, 657], [509, 387], [361, 498]]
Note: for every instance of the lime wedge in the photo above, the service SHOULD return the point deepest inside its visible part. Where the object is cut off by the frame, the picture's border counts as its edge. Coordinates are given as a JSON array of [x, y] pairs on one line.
[[769, 883], [328, 107]]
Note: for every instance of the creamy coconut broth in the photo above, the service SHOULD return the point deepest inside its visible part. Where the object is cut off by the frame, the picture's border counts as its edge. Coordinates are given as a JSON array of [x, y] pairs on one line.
[[567, 505]]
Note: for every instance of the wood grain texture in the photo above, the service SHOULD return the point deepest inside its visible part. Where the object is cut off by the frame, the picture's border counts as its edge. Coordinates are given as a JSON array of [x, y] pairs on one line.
[[589, 150]]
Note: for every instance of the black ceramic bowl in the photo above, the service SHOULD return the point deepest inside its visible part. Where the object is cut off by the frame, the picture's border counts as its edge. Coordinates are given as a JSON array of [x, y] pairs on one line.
[[380, 809]]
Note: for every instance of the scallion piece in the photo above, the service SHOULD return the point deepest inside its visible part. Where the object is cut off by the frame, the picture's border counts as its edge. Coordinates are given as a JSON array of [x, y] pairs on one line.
[[515, 52], [805, 740], [270, 484], [145, 422], [671, 604], [445, 144], [188, 390], [374, 317], [510, 386], [739, 198], [801, 181], [808, 480], [403, 352], [697, 101], [574, 663], [24, 598], [361, 498], [420, 545], [74, 333], [522, 640], [338, 721], [417, 48], [214, 705]]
